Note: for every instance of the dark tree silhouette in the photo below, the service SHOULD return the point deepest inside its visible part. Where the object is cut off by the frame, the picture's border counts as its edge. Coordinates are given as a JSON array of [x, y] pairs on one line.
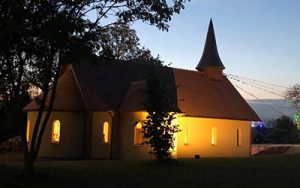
[[293, 94], [38, 36], [121, 42], [285, 130], [159, 128]]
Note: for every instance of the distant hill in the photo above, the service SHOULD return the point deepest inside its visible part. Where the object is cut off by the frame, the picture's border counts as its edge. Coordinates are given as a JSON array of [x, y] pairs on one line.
[[268, 109]]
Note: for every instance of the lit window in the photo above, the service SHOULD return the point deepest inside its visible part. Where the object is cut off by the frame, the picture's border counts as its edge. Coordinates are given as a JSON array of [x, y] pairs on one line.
[[28, 130], [238, 137], [55, 131], [105, 132], [138, 134], [186, 132], [214, 136]]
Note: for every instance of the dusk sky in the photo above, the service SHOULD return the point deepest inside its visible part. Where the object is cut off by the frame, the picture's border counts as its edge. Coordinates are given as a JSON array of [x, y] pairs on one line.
[[256, 39]]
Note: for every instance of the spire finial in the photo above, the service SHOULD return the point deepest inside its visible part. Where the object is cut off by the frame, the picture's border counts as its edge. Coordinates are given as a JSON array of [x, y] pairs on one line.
[[210, 56]]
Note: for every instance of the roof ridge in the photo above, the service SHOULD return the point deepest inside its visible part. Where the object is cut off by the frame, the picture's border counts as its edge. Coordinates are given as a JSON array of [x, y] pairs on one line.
[[194, 71], [184, 69], [82, 84], [78, 85]]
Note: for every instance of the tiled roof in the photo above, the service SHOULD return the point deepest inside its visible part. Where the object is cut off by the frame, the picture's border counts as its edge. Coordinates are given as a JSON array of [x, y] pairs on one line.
[[200, 96], [120, 86]]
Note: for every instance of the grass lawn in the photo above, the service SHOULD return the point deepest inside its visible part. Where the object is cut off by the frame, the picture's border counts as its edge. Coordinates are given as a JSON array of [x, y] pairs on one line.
[[269, 171]]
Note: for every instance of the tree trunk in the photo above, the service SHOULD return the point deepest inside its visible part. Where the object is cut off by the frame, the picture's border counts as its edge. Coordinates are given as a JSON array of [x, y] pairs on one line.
[[52, 98], [30, 155], [28, 163]]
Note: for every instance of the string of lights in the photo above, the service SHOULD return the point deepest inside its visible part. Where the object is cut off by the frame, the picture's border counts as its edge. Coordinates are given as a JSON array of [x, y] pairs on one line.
[[252, 85], [261, 134], [265, 83], [270, 133], [273, 89], [258, 84], [252, 95]]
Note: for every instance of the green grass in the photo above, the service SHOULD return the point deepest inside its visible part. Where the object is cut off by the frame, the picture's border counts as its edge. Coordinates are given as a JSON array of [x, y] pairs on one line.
[[273, 172]]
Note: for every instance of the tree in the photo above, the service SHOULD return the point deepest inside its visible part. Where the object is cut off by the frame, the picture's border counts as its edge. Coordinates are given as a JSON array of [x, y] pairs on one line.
[[297, 118], [38, 36], [285, 130], [293, 94], [122, 43], [159, 128], [13, 89]]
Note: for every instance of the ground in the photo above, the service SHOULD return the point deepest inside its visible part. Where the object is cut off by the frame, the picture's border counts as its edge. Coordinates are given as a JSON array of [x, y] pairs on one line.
[[261, 171]]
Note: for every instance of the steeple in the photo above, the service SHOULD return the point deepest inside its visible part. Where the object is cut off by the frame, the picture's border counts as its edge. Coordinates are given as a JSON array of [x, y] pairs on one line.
[[210, 58]]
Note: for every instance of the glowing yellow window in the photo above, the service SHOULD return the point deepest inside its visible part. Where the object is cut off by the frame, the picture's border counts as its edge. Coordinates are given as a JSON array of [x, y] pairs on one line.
[[28, 130], [238, 137], [214, 136], [186, 136], [105, 132], [55, 132], [138, 134]]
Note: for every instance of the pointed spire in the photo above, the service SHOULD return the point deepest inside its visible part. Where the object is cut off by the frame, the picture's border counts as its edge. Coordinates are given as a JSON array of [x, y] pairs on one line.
[[210, 56]]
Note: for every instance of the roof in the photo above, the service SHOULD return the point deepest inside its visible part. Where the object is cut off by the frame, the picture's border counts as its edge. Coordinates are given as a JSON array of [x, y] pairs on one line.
[[210, 56], [119, 87], [201, 97], [204, 97], [133, 101], [71, 96]]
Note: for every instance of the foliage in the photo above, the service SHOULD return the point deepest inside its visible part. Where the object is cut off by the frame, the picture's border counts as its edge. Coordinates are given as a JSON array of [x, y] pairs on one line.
[[278, 131], [13, 89], [293, 94], [159, 128], [297, 118], [120, 42], [12, 117], [38, 36], [285, 130]]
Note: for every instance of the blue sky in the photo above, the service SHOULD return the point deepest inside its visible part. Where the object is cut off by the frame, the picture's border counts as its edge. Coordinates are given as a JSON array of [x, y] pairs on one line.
[[257, 39]]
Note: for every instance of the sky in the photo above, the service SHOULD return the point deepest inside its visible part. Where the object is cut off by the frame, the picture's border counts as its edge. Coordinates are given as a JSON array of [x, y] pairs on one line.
[[257, 39]]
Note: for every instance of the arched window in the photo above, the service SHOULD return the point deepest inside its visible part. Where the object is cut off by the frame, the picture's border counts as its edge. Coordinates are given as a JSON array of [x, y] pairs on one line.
[[105, 132], [55, 132], [138, 134], [238, 137], [28, 130], [186, 135], [214, 136]]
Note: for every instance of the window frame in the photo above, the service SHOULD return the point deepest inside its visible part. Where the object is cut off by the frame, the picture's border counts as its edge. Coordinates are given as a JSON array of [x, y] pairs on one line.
[[53, 140], [186, 136], [106, 132], [238, 137], [28, 131], [214, 136], [138, 142]]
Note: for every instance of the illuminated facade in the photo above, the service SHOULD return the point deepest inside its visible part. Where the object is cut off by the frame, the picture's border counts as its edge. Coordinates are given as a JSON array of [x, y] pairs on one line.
[[98, 111]]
